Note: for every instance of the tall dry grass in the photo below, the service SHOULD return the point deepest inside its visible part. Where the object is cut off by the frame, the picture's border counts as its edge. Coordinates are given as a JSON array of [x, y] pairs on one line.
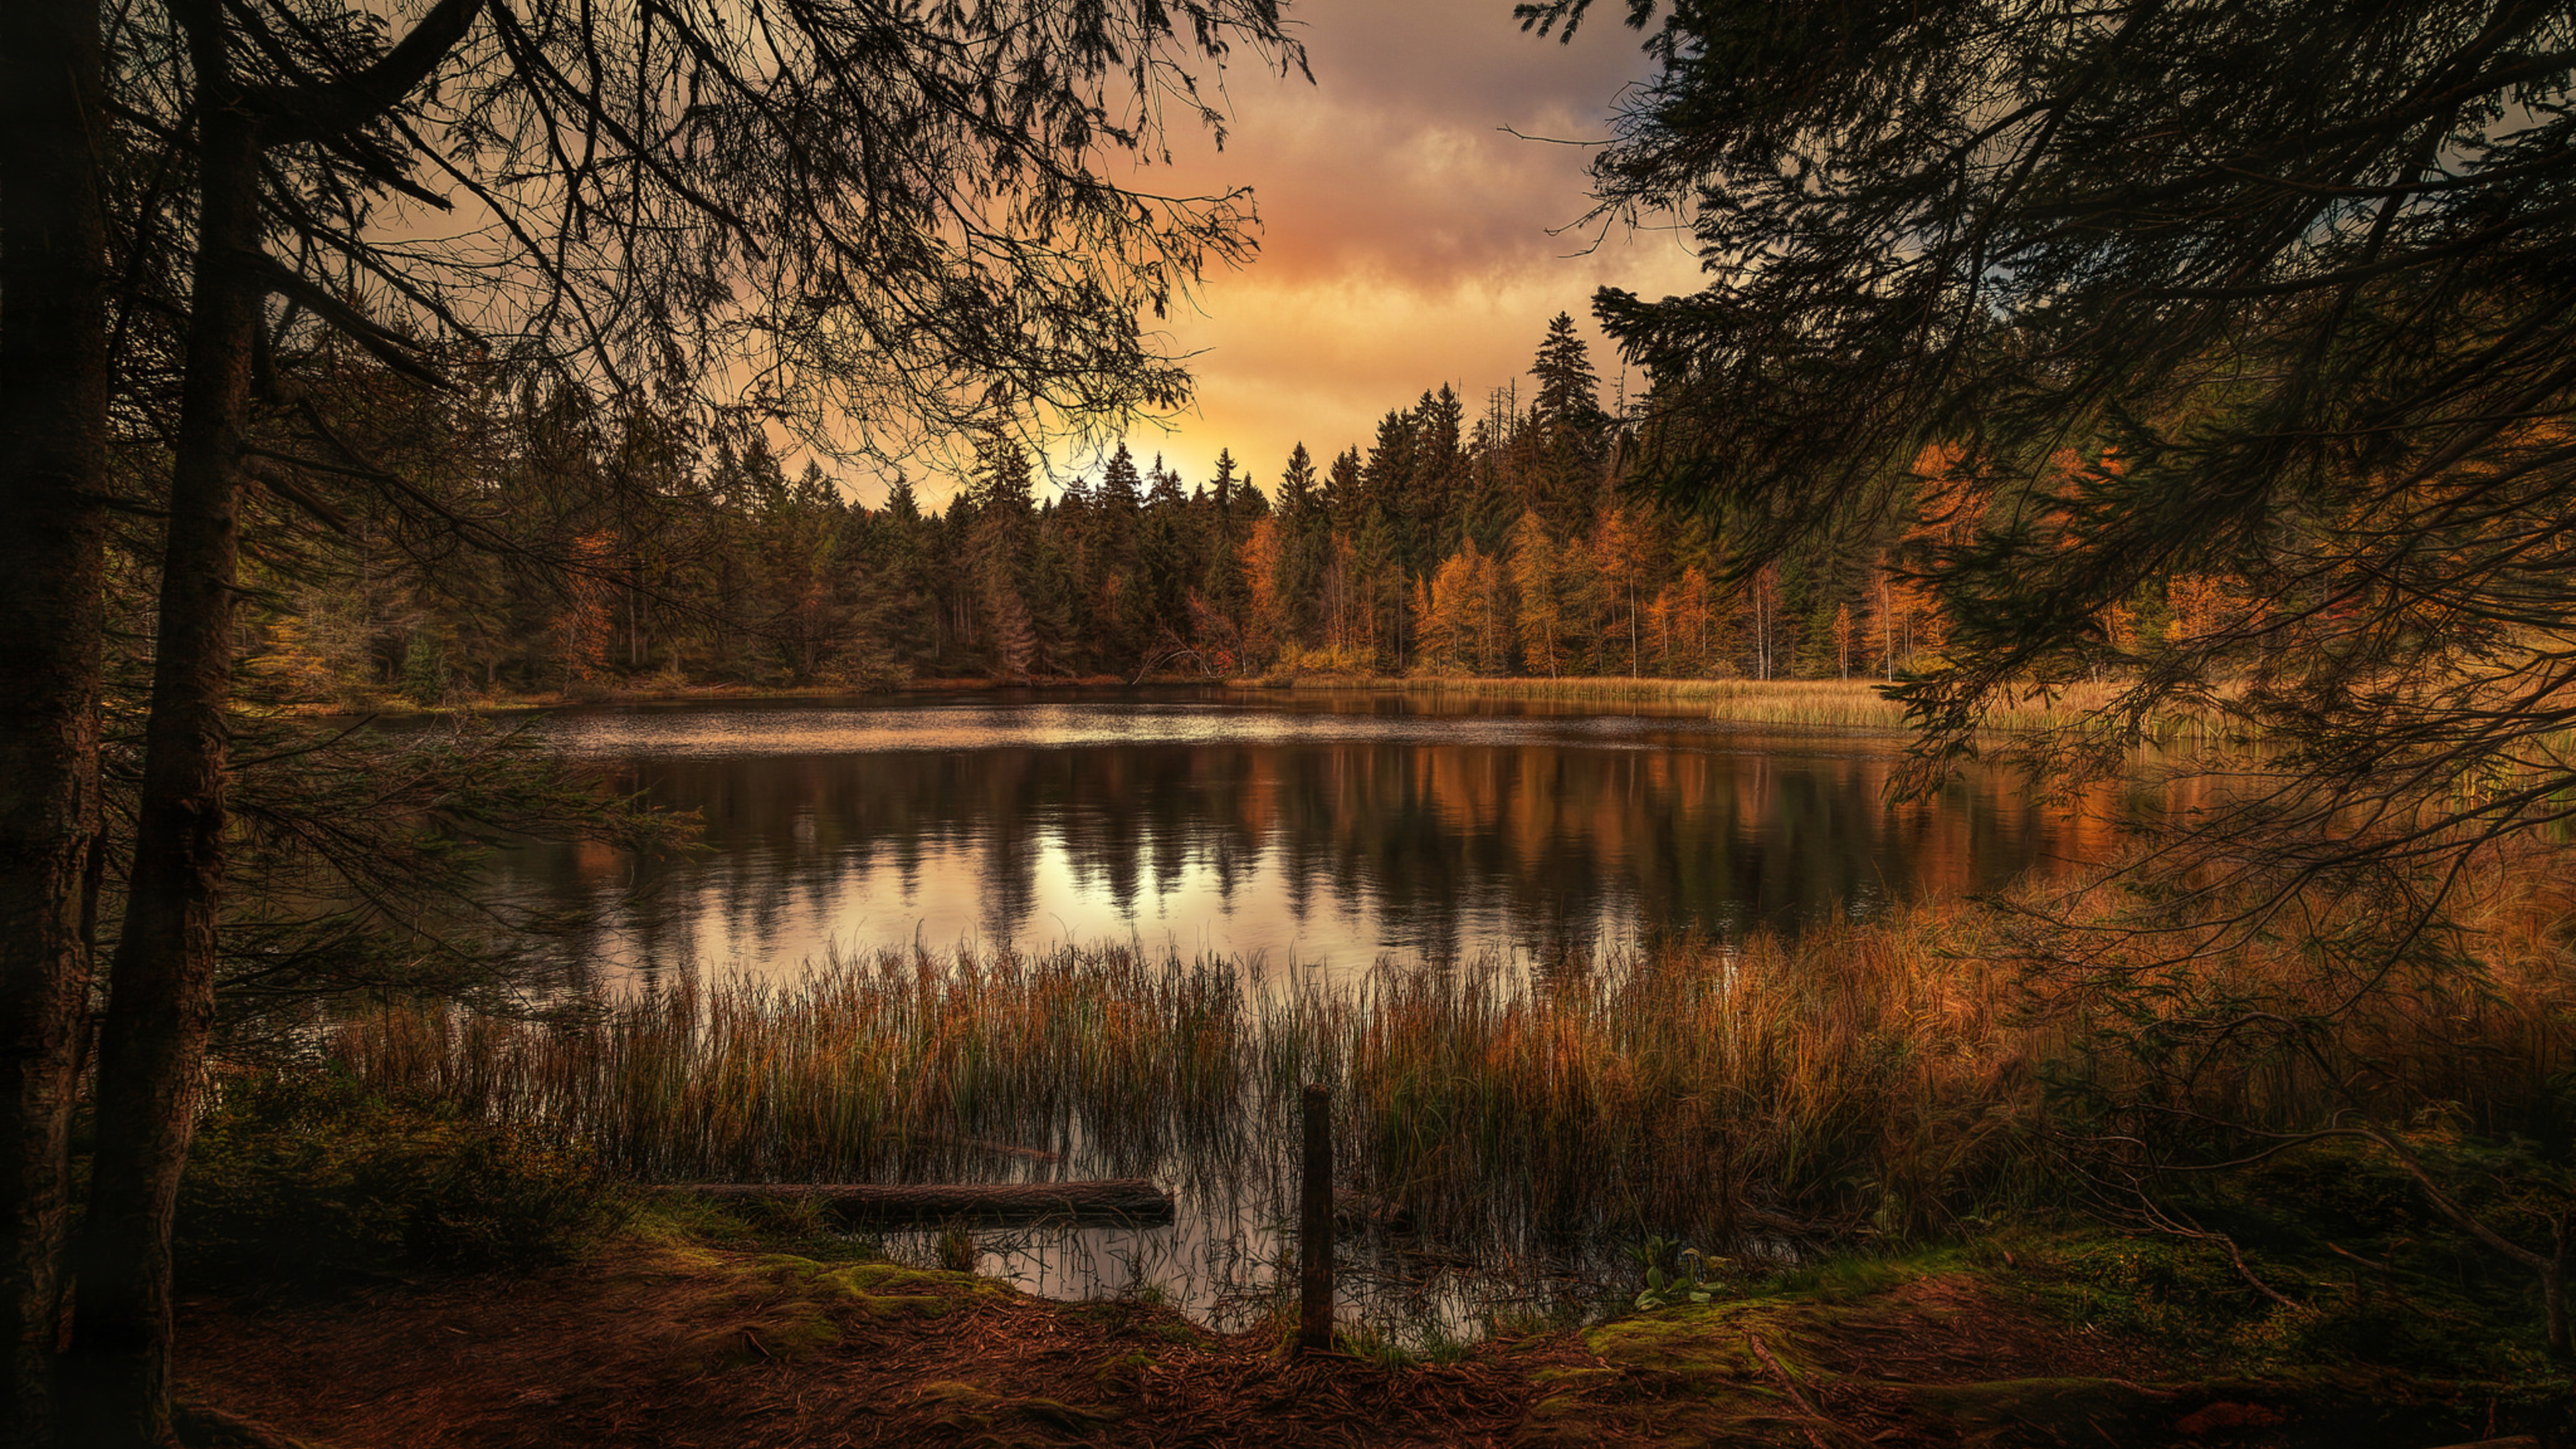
[[886, 1066], [1886, 1077], [1787, 703], [1857, 1072]]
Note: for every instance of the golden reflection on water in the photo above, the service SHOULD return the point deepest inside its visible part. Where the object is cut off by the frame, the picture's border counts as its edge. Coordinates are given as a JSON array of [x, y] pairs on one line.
[[1315, 831]]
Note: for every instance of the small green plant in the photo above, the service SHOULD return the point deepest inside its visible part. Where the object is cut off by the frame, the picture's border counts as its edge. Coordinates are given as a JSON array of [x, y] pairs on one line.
[[1365, 1341], [1143, 1293], [1675, 1275]]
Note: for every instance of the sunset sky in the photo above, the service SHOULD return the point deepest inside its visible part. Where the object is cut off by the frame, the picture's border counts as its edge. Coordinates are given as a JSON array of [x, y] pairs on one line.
[[1404, 237]]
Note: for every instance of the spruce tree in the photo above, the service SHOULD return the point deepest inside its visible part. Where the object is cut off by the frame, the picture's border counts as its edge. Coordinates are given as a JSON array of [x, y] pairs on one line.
[[1167, 558], [1305, 549], [1120, 600], [1438, 496], [1568, 432], [1224, 596]]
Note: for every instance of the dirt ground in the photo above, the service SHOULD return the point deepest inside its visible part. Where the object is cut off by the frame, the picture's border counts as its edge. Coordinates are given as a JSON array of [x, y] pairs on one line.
[[683, 1345]]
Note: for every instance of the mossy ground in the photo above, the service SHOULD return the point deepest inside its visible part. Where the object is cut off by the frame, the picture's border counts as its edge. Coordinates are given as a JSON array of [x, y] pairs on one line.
[[2030, 1340], [697, 1327]]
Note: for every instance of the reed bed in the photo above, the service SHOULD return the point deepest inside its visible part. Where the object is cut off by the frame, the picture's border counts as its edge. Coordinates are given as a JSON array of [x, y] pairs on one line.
[[884, 1067], [1855, 1074], [1788, 703], [1884, 1078]]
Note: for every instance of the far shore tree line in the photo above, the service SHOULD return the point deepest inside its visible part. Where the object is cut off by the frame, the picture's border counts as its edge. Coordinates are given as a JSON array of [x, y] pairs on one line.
[[1505, 540]]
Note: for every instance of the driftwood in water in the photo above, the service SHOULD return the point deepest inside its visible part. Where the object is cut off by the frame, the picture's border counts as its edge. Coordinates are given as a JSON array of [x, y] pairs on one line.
[[1115, 1202], [997, 1149]]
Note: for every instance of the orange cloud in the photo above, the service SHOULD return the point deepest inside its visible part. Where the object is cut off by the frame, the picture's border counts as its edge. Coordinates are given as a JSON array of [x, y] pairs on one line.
[[1405, 234]]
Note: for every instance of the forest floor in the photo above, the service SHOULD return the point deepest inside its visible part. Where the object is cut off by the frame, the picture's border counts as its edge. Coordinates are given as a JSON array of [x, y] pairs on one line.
[[663, 1340]]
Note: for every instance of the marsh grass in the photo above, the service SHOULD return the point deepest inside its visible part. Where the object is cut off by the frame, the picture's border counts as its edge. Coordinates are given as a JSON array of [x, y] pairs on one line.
[[1788, 703], [1876, 1079], [1859, 1075], [1901, 1080]]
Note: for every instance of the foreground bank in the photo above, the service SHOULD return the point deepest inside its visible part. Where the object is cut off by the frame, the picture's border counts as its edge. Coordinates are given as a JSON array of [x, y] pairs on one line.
[[1928, 1180], [695, 1329]]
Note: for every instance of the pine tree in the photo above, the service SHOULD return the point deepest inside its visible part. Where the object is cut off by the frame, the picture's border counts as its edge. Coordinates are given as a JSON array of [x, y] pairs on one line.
[[1167, 558], [1568, 432], [1224, 595], [1386, 490], [1118, 599], [1437, 493], [1001, 496], [1305, 549], [1346, 492]]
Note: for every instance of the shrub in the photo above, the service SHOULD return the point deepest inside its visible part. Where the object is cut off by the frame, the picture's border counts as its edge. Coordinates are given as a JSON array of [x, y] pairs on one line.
[[303, 1174]]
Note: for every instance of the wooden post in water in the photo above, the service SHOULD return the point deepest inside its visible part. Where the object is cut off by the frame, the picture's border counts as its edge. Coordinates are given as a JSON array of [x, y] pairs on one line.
[[1315, 1226]]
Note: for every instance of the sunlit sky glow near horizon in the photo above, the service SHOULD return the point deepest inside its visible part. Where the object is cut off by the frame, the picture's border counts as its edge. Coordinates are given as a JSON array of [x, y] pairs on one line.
[[1404, 234]]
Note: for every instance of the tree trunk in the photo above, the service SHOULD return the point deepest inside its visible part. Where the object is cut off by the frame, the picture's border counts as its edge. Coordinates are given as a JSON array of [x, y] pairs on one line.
[[161, 995], [53, 447]]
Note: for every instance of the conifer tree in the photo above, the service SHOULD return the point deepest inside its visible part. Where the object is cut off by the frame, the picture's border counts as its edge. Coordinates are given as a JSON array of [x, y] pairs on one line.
[[1437, 496], [1224, 594], [1167, 557], [1568, 432], [1118, 599], [1386, 487], [1346, 491], [1002, 499], [1305, 549]]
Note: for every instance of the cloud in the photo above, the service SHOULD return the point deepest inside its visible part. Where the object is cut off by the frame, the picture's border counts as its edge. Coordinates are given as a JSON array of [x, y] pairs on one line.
[[1405, 234]]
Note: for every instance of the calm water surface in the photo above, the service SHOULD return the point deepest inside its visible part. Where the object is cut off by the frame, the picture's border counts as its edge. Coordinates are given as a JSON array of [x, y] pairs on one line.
[[1315, 830], [1310, 831]]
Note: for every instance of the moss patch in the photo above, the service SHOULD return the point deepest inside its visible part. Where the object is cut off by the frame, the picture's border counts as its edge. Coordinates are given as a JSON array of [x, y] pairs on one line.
[[1942, 1350], [1007, 1419]]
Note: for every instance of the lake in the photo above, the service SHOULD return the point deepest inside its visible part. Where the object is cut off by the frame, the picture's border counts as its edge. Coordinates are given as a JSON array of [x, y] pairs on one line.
[[1323, 830], [1306, 841]]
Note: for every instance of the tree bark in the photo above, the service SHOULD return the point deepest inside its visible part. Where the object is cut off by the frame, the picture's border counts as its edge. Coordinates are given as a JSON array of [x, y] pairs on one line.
[[53, 447], [161, 994]]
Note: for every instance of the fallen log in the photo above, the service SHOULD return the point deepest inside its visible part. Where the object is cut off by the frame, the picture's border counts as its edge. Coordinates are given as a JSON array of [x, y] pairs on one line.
[[1113, 1202]]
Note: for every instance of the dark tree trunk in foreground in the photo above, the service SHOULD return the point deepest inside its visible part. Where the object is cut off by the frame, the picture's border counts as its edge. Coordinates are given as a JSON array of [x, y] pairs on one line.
[[161, 998], [53, 427]]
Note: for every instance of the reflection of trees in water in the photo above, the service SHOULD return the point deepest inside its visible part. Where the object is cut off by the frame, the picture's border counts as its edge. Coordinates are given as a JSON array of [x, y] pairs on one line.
[[1441, 843]]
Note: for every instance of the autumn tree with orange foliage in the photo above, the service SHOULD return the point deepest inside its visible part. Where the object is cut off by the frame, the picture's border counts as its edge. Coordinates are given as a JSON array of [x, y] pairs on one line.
[[2263, 312]]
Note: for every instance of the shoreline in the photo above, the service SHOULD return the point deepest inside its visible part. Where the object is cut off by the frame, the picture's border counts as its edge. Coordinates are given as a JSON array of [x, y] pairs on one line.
[[1842, 703]]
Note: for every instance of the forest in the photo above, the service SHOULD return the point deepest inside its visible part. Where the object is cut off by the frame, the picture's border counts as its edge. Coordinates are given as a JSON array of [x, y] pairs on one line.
[[636, 551]]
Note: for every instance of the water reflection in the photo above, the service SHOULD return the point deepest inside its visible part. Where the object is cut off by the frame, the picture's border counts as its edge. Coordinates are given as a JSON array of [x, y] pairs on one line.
[[1317, 830]]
